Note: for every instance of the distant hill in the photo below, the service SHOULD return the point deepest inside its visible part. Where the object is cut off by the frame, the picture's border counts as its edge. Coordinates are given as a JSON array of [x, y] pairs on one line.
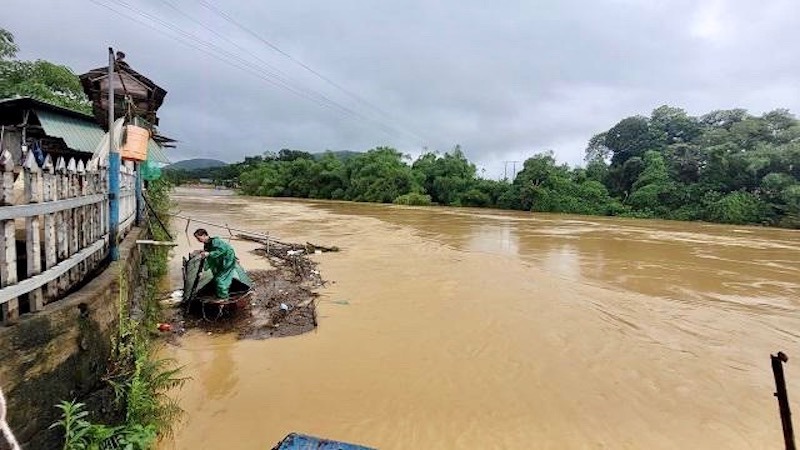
[[196, 164]]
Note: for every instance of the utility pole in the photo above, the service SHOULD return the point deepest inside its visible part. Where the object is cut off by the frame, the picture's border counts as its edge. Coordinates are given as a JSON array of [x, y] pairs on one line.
[[113, 166], [513, 169], [783, 398]]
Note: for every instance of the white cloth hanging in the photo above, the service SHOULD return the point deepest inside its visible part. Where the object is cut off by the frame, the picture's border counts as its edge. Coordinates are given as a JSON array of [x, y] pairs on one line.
[[102, 149]]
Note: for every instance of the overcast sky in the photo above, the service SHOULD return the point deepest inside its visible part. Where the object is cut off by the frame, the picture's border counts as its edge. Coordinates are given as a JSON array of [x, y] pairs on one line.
[[504, 79]]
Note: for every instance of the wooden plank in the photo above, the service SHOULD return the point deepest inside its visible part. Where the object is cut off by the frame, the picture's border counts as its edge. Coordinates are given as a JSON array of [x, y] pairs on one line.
[[33, 243], [131, 194], [9, 311], [91, 178], [128, 216], [7, 182], [101, 211], [50, 245], [62, 217], [156, 243], [38, 209], [103, 190], [74, 224], [83, 238], [10, 292], [127, 222], [124, 200]]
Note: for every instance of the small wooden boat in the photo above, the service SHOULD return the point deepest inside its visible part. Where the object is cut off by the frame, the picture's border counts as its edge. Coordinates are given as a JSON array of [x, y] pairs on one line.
[[296, 441], [198, 287]]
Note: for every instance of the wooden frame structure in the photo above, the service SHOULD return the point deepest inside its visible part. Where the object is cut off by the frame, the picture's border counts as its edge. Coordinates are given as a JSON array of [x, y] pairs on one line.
[[64, 223]]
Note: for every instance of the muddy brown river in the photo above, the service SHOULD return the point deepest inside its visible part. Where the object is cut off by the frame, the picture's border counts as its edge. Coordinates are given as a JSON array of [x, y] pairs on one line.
[[474, 329]]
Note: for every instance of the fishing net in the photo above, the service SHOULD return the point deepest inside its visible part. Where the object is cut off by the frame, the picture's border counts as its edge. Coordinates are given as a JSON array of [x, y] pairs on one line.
[[150, 170]]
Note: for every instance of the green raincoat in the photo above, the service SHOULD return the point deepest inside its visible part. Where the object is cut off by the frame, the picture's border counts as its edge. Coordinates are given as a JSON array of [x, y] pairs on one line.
[[221, 260]]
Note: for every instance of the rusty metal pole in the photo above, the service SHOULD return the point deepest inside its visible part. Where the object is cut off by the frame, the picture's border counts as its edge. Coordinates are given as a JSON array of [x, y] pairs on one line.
[[783, 398]]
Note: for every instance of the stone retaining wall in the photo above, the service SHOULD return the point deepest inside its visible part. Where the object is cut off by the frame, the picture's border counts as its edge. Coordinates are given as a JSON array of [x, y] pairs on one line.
[[61, 352]]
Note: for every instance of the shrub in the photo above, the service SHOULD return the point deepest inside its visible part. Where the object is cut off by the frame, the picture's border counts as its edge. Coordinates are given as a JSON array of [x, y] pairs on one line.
[[413, 199], [738, 208]]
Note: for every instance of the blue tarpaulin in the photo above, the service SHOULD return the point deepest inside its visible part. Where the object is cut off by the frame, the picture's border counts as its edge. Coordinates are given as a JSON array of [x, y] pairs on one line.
[[295, 441]]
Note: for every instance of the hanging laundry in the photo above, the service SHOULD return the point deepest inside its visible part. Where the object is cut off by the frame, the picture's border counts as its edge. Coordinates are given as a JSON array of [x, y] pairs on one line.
[[38, 153]]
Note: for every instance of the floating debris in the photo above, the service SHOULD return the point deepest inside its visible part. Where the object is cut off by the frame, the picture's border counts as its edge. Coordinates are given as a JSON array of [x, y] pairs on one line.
[[282, 301]]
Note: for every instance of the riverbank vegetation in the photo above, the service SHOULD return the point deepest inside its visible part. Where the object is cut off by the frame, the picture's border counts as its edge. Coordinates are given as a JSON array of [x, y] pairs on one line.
[[138, 381], [725, 166]]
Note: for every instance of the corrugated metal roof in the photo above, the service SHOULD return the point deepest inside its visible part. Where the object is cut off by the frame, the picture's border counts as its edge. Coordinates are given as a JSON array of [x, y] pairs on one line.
[[84, 135], [80, 135], [156, 153]]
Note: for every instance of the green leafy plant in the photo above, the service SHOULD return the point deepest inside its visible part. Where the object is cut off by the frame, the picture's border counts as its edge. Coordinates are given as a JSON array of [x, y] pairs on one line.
[[144, 393], [79, 433], [76, 427]]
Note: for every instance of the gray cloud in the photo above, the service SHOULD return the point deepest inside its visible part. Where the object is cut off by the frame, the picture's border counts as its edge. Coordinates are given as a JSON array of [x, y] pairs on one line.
[[504, 79]]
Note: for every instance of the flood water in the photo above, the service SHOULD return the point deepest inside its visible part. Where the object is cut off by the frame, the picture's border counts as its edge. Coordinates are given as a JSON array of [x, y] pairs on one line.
[[476, 329]]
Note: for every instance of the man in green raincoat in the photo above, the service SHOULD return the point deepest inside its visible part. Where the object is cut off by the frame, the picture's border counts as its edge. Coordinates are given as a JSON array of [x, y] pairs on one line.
[[220, 259]]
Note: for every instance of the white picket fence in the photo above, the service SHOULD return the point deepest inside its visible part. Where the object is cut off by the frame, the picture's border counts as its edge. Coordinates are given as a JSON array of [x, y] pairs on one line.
[[62, 218]]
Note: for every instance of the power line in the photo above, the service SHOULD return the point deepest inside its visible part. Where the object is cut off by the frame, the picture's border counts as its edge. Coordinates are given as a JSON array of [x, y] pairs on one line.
[[203, 46], [280, 82], [277, 72], [316, 73], [226, 57]]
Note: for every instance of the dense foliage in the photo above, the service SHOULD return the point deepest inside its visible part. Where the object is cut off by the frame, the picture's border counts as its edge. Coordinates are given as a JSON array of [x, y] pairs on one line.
[[725, 166], [40, 79]]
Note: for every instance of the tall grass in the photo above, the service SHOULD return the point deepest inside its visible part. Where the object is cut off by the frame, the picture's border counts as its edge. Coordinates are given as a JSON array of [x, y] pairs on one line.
[[139, 380]]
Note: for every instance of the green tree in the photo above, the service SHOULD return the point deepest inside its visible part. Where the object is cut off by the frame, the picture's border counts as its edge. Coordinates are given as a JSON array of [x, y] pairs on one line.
[[446, 178], [738, 208], [545, 186], [723, 119], [631, 137], [685, 162], [725, 166], [653, 190], [291, 155], [485, 193], [673, 125], [379, 175], [332, 177], [782, 126], [39, 79], [791, 209], [596, 149], [8, 48], [264, 180]]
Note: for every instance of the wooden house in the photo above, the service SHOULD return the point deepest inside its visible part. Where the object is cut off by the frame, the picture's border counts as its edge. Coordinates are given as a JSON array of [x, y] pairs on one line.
[[134, 94], [57, 131]]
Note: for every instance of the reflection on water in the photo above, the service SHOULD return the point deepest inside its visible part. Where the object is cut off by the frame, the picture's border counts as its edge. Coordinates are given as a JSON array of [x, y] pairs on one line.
[[493, 238], [659, 258], [219, 376], [469, 328]]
